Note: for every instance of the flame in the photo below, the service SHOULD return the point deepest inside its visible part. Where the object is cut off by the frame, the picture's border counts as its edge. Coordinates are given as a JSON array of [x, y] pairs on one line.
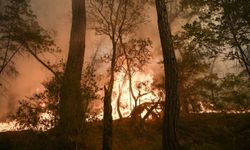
[[142, 84], [205, 110], [14, 125], [141, 87], [8, 126]]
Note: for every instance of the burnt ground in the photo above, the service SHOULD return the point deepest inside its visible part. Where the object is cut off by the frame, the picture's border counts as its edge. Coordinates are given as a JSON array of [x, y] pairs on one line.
[[195, 132]]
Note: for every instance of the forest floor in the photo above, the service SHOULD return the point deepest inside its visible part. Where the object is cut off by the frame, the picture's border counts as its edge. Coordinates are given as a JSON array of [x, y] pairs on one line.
[[195, 132]]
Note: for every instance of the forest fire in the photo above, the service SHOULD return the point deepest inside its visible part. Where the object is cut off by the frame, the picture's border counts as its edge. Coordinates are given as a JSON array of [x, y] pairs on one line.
[[44, 124], [141, 87], [127, 98], [124, 74], [8, 126]]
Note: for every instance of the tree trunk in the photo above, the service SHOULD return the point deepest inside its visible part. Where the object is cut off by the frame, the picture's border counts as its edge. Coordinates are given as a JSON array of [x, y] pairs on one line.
[[107, 121], [185, 107], [230, 22], [184, 101], [107, 117], [71, 102], [131, 92], [118, 105], [171, 79], [119, 97]]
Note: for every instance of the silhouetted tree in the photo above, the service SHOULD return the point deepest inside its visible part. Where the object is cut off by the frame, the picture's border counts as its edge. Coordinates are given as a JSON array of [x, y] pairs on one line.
[[171, 79], [136, 55], [71, 102], [20, 33], [223, 28], [40, 111], [193, 64], [223, 94], [115, 19], [133, 56]]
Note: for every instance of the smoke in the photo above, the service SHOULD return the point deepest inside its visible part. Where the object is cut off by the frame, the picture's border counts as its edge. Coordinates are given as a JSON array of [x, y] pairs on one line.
[[55, 16], [150, 30]]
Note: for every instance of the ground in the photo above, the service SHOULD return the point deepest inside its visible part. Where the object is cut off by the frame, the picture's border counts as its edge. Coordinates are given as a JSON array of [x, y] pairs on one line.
[[195, 132]]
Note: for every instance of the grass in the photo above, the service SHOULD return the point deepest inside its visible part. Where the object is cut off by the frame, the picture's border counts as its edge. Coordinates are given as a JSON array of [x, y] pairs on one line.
[[195, 132]]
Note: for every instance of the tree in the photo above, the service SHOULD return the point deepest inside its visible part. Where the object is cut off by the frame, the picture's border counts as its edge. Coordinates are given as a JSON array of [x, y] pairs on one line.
[[171, 78], [133, 56], [193, 64], [40, 111], [229, 93], [114, 19], [20, 33], [71, 102], [238, 28], [223, 27], [201, 89]]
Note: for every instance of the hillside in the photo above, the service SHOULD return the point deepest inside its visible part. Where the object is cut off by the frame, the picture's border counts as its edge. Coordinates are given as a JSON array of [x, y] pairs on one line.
[[196, 132]]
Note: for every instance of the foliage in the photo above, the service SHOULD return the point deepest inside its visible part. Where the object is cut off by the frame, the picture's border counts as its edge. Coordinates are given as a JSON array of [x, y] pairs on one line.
[[235, 92], [219, 28], [229, 93], [193, 62], [137, 55], [40, 111], [115, 18], [222, 27], [90, 88], [21, 33]]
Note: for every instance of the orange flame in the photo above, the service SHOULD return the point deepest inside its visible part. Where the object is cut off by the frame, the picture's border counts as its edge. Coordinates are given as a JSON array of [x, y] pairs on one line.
[[141, 87]]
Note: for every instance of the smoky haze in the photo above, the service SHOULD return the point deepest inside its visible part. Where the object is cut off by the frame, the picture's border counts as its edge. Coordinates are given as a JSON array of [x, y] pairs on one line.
[[55, 16]]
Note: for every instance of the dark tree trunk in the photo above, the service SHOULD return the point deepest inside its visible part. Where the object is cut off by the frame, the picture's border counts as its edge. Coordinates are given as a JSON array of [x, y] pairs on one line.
[[71, 102], [183, 100], [185, 107], [107, 117], [107, 121], [171, 79]]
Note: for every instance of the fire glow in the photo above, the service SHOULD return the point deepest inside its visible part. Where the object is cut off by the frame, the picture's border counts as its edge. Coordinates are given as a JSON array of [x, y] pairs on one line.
[[8, 126], [142, 89]]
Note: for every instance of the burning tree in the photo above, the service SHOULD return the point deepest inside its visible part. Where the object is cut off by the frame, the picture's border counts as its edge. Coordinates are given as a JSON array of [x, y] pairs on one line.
[[132, 57], [114, 19]]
